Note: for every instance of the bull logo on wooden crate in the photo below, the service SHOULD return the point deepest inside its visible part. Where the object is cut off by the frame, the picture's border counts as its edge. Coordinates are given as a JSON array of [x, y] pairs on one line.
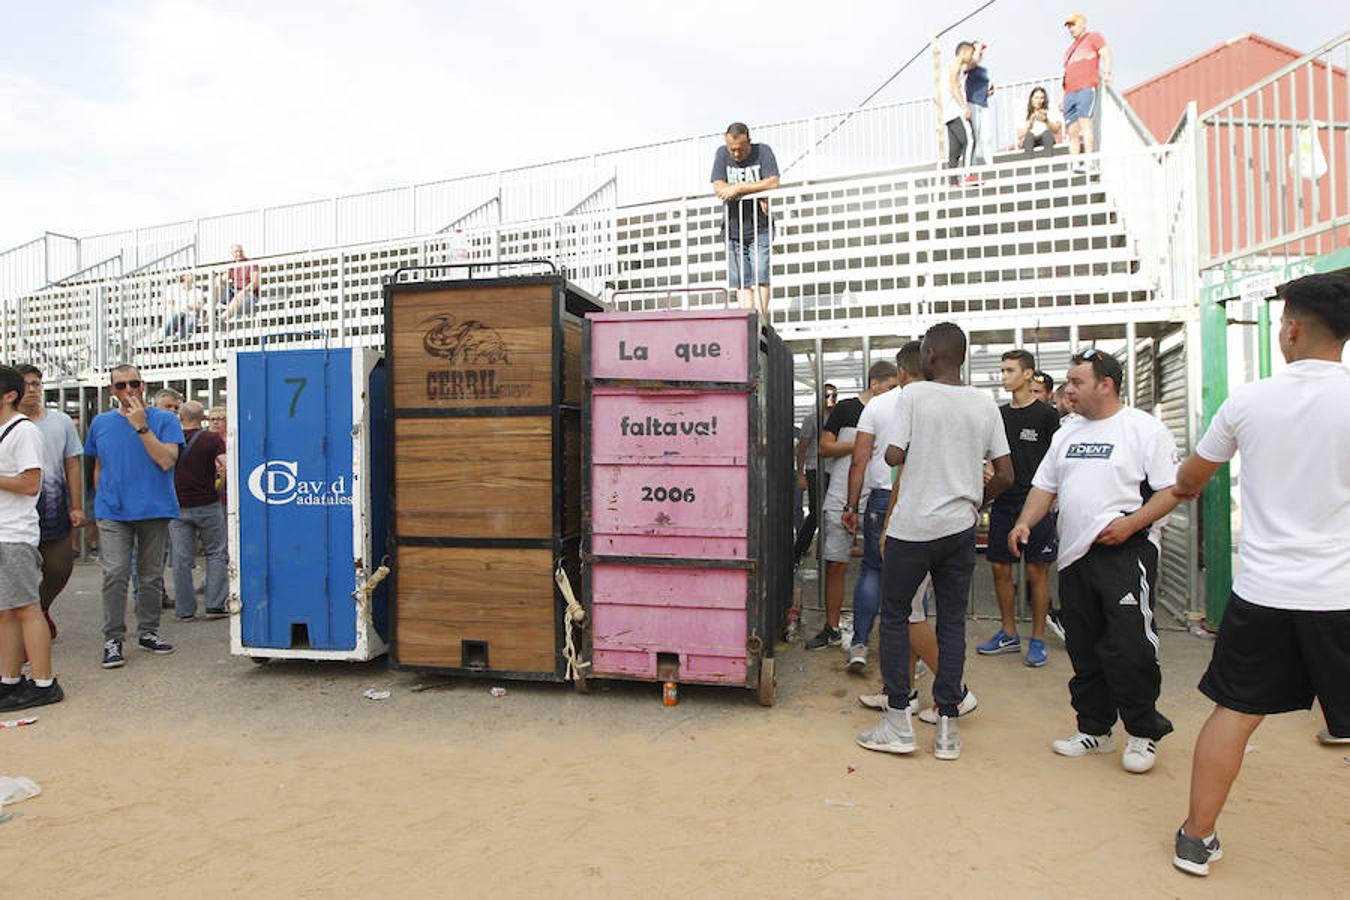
[[473, 352]]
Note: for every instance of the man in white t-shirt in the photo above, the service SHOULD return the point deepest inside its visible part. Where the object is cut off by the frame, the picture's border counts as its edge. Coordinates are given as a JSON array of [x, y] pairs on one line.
[[836, 451], [1112, 468], [869, 496], [1285, 635], [939, 439], [23, 628]]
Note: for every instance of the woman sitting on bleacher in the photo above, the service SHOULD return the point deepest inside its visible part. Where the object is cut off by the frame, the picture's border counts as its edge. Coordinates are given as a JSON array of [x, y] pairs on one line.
[[1040, 129]]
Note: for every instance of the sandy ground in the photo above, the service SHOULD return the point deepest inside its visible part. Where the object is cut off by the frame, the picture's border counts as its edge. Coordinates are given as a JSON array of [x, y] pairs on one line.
[[202, 775]]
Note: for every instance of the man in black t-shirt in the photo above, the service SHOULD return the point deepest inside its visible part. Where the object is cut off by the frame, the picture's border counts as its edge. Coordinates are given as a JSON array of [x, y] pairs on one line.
[[741, 168], [1029, 424]]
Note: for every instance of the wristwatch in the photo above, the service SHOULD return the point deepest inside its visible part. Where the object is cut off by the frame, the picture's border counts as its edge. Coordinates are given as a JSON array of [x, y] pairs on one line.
[[143, 429], [851, 509]]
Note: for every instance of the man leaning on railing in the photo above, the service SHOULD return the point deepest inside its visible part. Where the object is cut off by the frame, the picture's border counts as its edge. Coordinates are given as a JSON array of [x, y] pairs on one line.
[[742, 168]]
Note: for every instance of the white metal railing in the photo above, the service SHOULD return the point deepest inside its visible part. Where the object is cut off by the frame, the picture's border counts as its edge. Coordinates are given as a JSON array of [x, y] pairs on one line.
[[876, 138], [1033, 237], [1275, 162]]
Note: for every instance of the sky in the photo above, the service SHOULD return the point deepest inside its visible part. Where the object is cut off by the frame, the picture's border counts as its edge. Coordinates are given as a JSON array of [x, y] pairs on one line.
[[129, 114]]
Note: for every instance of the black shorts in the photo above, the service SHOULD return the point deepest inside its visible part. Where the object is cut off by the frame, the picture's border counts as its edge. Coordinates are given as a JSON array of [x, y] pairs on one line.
[[1042, 548], [1269, 660]]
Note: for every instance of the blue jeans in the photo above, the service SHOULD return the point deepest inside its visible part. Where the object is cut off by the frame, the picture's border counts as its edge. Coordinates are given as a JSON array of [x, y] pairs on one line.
[[867, 592], [209, 520], [748, 261]]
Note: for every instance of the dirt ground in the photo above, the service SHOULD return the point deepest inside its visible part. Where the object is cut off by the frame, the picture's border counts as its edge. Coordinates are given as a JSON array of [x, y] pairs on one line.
[[202, 775]]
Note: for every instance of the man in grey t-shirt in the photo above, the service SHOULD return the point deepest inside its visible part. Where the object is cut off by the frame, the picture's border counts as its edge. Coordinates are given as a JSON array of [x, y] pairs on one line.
[[941, 434]]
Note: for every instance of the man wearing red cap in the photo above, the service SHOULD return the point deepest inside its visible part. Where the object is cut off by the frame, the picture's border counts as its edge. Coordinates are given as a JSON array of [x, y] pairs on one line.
[[1086, 64]]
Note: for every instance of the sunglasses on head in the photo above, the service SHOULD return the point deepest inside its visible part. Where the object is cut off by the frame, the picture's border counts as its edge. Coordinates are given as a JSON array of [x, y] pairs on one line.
[[123, 385], [1040, 379], [1091, 354]]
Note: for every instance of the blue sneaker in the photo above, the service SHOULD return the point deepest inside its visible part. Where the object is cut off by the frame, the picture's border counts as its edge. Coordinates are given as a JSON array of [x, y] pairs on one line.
[[1000, 643], [1035, 653]]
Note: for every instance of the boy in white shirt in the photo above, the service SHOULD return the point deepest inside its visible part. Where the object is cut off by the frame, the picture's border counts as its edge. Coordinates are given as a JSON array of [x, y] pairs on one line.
[[23, 627]]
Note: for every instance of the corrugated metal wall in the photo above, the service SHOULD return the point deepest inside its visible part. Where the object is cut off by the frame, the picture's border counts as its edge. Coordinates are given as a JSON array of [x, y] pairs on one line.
[[1175, 585]]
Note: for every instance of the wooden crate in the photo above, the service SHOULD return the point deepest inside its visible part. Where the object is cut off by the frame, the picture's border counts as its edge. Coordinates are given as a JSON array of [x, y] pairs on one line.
[[485, 394]]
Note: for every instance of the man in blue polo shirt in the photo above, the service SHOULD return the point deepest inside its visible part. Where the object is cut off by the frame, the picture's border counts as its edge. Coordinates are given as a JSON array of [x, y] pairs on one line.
[[134, 448]]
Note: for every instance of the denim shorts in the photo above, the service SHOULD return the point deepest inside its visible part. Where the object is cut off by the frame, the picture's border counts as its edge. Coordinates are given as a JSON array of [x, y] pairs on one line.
[[748, 261], [1080, 104]]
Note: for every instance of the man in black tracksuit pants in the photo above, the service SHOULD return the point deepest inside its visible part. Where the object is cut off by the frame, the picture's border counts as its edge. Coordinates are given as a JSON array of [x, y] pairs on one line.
[[1112, 469]]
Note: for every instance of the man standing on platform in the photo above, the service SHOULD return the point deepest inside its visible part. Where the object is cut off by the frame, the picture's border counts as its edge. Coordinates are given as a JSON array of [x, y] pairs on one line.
[[61, 503], [200, 514], [1087, 67], [740, 169], [836, 446], [978, 91], [134, 448], [1029, 424], [941, 436], [1285, 635], [1112, 468]]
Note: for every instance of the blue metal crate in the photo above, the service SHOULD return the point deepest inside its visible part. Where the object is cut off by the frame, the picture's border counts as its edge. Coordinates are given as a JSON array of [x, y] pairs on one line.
[[307, 498]]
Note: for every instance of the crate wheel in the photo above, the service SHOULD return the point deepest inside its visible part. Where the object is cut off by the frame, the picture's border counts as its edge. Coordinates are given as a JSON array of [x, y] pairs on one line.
[[260, 660], [766, 681]]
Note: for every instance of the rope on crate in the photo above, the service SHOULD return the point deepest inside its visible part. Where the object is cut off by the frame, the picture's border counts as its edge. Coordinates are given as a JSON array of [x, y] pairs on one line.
[[367, 588], [573, 621]]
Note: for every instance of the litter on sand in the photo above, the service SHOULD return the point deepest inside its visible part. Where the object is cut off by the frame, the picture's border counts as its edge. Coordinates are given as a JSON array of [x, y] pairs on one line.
[[497, 691], [846, 804], [18, 723], [12, 790], [372, 694]]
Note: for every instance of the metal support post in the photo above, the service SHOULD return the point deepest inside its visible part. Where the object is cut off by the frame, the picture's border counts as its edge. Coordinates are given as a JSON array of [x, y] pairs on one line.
[[1263, 338], [1216, 502]]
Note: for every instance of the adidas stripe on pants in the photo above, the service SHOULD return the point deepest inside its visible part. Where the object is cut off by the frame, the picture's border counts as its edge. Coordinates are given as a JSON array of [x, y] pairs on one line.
[[1107, 602]]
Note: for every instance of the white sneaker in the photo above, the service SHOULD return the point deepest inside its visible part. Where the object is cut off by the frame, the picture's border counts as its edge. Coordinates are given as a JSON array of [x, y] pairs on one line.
[[857, 658], [880, 702], [1079, 744], [967, 706], [947, 743], [1140, 754], [893, 734]]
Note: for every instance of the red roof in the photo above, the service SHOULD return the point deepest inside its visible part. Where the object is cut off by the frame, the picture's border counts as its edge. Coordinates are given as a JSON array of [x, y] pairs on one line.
[[1208, 78]]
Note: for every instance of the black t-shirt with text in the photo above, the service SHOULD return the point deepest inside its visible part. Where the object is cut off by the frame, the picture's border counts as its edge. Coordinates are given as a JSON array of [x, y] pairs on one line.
[[1029, 431]]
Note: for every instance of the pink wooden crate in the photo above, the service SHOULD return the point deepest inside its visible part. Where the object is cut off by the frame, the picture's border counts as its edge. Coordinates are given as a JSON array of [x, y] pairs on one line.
[[689, 501], [698, 615], [670, 546], [628, 425], [672, 345]]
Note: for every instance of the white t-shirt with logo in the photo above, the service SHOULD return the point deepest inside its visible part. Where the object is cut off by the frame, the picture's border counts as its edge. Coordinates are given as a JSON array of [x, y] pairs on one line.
[[876, 420], [1099, 468], [1293, 432], [20, 451], [947, 432]]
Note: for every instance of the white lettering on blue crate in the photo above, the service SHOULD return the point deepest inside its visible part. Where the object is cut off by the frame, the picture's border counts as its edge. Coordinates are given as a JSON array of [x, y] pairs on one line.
[[277, 482]]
